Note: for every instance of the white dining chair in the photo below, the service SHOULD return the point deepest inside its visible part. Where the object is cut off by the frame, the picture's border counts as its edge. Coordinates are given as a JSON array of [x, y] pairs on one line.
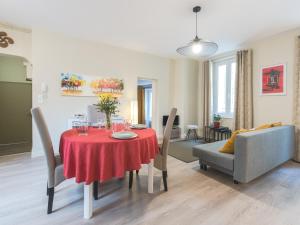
[[160, 161], [54, 162], [94, 115]]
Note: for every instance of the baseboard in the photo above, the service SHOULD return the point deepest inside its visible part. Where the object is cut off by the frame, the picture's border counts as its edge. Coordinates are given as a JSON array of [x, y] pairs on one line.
[[15, 149]]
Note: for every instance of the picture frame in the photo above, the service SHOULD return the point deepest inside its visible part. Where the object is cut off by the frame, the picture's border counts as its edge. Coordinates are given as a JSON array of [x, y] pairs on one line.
[[273, 80], [74, 84]]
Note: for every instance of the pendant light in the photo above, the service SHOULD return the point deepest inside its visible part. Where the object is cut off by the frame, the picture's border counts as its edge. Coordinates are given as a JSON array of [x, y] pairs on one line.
[[198, 47]]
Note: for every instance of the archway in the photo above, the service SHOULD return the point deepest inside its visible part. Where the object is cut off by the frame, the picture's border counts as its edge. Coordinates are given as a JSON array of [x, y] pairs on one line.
[[16, 102]]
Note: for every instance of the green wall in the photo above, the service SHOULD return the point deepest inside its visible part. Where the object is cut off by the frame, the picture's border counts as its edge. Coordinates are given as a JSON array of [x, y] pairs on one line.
[[12, 69], [15, 102]]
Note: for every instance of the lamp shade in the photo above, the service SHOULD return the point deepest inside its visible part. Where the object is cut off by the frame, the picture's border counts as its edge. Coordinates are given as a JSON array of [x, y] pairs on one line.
[[198, 48]]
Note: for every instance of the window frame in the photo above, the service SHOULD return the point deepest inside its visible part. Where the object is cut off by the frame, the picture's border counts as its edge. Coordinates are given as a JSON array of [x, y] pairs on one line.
[[215, 64]]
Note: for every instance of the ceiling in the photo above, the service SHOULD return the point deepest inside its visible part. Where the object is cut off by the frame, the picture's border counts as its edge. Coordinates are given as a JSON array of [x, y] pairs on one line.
[[156, 26]]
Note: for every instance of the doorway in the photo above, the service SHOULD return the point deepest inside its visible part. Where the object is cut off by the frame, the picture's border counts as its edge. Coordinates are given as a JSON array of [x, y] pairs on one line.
[[145, 101], [16, 102]]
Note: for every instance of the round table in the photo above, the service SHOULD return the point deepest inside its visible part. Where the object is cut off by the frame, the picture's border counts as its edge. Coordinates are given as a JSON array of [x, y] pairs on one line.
[[99, 157]]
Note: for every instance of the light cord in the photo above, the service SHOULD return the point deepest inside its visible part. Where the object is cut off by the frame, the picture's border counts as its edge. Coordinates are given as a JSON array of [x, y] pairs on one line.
[[196, 24]]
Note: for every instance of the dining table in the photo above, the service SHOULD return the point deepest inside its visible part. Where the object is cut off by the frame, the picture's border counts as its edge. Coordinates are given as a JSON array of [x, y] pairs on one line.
[[97, 156]]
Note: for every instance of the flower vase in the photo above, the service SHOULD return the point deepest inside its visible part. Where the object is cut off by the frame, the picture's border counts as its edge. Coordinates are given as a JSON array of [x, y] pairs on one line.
[[108, 120]]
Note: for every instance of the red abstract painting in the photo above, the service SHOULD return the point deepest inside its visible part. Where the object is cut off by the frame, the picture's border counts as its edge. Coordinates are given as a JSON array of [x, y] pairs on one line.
[[273, 80]]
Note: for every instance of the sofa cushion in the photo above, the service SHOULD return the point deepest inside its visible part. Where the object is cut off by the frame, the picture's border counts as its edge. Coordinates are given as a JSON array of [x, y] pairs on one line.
[[263, 126], [228, 147], [277, 124], [210, 153]]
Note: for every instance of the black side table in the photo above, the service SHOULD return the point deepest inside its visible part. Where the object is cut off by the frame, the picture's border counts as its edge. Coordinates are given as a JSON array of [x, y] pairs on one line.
[[212, 134]]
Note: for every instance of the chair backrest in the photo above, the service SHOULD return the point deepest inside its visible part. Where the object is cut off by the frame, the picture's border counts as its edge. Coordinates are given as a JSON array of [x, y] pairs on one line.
[[46, 141], [93, 114], [167, 136]]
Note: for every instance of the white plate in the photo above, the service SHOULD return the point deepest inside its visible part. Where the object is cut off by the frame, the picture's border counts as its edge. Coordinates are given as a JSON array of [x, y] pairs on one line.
[[138, 126], [124, 135]]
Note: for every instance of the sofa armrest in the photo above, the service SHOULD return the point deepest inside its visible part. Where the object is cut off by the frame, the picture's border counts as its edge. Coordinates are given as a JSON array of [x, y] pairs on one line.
[[258, 152]]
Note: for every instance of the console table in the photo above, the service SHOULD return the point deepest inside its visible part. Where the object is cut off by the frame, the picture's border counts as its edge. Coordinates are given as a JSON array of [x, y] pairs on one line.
[[212, 134], [175, 132]]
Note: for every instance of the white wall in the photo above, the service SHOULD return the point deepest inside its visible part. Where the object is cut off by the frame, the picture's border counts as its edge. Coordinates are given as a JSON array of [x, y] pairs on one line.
[[22, 41], [53, 53], [280, 48], [277, 49], [185, 91]]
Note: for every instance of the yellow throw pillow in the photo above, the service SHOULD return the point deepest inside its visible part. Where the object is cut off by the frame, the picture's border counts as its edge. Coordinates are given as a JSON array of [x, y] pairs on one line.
[[278, 124], [263, 126], [229, 145]]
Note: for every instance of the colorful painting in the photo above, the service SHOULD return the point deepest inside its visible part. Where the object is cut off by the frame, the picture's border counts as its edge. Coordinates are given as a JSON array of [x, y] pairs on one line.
[[73, 84], [111, 85], [273, 80]]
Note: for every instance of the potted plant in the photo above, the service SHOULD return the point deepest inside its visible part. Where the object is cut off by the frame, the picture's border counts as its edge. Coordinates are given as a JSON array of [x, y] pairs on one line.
[[108, 104], [216, 119]]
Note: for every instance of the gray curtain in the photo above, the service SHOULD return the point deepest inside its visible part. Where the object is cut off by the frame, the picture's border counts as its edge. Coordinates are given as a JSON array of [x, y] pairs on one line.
[[206, 94], [297, 102], [243, 116]]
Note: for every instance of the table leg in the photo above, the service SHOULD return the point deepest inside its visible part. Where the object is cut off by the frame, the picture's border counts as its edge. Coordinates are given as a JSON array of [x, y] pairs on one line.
[[150, 177], [88, 201]]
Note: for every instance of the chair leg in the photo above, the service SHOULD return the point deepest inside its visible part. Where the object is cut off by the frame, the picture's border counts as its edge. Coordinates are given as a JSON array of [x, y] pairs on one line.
[[50, 199], [47, 190], [130, 179], [165, 175], [195, 135], [95, 189], [188, 135]]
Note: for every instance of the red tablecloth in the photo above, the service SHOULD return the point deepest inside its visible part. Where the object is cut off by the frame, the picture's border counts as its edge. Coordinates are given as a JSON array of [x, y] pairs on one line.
[[99, 157]]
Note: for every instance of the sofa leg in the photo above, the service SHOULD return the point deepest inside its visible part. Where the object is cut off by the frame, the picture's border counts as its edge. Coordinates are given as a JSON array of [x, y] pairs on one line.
[[203, 167], [235, 182]]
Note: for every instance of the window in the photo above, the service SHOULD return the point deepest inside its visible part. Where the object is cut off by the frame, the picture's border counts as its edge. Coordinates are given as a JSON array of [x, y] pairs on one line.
[[148, 106], [224, 73]]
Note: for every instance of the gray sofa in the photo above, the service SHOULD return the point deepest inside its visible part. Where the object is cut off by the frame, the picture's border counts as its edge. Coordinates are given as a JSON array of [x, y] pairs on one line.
[[256, 153]]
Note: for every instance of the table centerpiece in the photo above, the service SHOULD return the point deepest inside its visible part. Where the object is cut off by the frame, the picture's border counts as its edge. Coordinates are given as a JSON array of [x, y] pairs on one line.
[[108, 104]]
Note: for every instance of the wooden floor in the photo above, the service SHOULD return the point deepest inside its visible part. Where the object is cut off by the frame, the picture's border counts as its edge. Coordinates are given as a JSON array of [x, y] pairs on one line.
[[194, 197]]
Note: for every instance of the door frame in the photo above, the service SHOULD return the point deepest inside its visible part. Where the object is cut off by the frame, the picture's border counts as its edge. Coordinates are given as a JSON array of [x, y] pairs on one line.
[[154, 112]]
